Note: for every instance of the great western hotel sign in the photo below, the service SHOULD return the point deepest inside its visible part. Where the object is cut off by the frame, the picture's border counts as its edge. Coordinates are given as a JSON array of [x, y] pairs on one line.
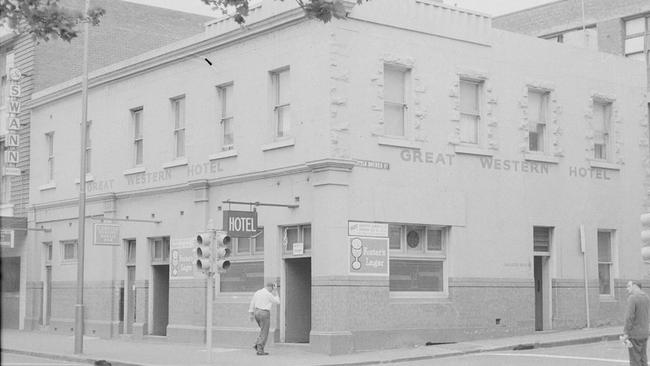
[[240, 224], [12, 141]]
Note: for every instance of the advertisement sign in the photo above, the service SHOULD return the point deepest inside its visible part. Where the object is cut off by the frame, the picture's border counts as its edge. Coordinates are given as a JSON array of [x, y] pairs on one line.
[[181, 259], [7, 238], [368, 255], [360, 228], [298, 248], [240, 224], [106, 234]]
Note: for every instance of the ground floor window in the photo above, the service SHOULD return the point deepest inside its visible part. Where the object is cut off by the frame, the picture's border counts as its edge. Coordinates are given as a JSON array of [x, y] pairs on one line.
[[243, 277], [417, 258], [605, 263], [296, 234]]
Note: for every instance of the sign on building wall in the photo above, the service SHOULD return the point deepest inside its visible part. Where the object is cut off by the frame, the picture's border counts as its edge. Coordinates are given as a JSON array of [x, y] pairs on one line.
[[361, 228], [181, 259], [106, 234], [368, 256], [240, 224], [7, 238], [12, 141]]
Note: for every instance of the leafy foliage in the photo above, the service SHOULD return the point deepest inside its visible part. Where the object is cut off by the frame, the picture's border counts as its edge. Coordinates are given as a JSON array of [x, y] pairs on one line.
[[45, 18]]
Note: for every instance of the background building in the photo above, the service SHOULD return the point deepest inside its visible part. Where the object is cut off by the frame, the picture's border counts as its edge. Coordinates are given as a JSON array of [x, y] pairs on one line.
[[122, 34], [485, 165]]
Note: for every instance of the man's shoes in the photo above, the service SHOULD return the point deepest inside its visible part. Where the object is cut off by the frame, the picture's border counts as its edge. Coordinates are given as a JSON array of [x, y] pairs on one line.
[[262, 353]]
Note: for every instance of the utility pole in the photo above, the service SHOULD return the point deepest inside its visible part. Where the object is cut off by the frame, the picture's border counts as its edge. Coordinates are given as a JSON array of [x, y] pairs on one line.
[[79, 307]]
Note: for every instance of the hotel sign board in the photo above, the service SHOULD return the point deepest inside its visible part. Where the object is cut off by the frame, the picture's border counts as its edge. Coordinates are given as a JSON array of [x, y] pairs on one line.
[[106, 234], [240, 224], [11, 155]]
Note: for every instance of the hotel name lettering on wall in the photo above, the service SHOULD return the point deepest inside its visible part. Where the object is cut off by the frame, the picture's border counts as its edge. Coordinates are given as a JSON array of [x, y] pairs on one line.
[[12, 141]]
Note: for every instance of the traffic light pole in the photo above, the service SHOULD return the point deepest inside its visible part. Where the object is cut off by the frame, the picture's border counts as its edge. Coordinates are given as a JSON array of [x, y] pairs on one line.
[[208, 316]]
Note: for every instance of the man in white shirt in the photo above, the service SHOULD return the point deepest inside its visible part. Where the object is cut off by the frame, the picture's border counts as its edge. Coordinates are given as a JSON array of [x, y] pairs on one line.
[[260, 310]]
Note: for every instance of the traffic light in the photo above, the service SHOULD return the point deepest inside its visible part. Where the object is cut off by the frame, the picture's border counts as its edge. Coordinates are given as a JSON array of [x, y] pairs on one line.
[[645, 237], [222, 251], [204, 257]]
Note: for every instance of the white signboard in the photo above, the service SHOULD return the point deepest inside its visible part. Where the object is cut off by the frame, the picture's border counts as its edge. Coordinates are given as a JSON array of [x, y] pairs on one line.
[[106, 234], [298, 248], [367, 229]]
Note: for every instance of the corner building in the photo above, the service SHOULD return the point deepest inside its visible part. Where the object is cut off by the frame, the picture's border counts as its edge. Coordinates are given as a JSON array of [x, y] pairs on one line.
[[477, 154]]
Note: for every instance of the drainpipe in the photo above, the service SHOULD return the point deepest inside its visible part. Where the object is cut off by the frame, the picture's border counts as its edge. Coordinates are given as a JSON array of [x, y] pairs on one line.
[[583, 249]]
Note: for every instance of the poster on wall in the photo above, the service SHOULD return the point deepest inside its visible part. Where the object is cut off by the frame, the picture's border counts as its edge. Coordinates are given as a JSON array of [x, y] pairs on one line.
[[181, 259], [368, 255]]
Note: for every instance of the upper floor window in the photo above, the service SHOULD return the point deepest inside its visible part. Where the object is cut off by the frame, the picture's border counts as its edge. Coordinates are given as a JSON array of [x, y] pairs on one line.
[[417, 258], [635, 38], [542, 239], [49, 140], [138, 139], [537, 119], [601, 125], [178, 111], [281, 103], [226, 119], [395, 100], [470, 111]]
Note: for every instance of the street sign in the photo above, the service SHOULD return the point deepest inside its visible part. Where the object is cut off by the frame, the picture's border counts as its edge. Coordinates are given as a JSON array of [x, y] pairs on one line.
[[240, 224], [106, 234], [372, 164], [368, 255], [7, 238], [360, 228]]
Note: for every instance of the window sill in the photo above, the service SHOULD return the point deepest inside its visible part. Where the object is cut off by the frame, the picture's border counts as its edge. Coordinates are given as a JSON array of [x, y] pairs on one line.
[[402, 142], [604, 165], [472, 150], [415, 296], [68, 262], [89, 178], [540, 157], [279, 144], [136, 170], [47, 186], [223, 155], [175, 163]]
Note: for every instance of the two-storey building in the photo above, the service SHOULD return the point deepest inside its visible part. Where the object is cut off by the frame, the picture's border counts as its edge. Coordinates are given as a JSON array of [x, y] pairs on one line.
[[445, 180]]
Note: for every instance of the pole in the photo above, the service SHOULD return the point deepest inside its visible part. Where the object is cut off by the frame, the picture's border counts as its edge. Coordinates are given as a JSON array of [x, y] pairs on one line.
[[584, 30], [583, 248], [79, 307], [208, 317]]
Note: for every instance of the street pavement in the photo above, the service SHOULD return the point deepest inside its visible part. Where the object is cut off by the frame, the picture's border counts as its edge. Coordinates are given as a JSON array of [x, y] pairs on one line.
[[159, 351]]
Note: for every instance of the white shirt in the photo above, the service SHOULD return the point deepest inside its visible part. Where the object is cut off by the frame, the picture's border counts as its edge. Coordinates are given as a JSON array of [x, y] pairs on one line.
[[263, 299]]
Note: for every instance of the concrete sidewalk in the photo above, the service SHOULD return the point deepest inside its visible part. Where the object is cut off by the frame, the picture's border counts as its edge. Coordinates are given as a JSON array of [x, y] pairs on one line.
[[152, 351]]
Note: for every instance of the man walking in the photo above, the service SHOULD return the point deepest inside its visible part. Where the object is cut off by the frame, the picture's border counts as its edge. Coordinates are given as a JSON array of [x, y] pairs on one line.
[[636, 324], [260, 310]]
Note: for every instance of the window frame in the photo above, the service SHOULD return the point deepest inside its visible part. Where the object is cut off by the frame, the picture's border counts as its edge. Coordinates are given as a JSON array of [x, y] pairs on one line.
[[612, 267], [252, 252], [405, 78], [48, 250], [179, 114], [300, 238], [64, 244], [542, 119], [423, 254], [128, 259], [137, 115], [226, 116], [49, 138], [643, 35], [165, 249], [477, 115], [607, 107], [280, 105]]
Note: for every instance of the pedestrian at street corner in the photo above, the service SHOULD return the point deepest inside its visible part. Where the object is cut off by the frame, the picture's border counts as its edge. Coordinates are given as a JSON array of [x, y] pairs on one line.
[[636, 324], [260, 310]]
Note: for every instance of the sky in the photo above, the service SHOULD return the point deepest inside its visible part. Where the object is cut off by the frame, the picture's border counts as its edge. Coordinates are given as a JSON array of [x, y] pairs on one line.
[[492, 7]]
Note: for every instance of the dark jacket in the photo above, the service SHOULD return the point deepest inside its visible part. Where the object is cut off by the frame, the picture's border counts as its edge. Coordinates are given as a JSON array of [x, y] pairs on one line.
[[637, 317]]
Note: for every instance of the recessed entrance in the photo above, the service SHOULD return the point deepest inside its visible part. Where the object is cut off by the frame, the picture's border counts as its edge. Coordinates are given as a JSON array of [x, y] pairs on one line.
[[160, 299], [297, 300]]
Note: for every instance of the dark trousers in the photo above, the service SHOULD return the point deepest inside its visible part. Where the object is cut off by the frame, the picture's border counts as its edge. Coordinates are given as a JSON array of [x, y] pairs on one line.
[[263, 318], [638, 355]]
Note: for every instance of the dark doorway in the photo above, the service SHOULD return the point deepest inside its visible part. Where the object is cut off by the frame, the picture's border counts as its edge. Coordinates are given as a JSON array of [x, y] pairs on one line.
[[298, 300], [160, 299], [48, 295], [10, 276], [539, 293], [130, 299]]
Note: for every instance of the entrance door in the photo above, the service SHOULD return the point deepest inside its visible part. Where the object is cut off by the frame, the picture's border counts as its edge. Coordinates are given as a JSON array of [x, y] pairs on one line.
[[10, 290], [160, 299], [48, 295], [298, 300], [130, 299], [539, 293]]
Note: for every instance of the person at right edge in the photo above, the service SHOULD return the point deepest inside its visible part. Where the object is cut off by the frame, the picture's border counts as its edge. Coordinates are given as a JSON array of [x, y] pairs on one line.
[[260, 310], [636, 324]]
